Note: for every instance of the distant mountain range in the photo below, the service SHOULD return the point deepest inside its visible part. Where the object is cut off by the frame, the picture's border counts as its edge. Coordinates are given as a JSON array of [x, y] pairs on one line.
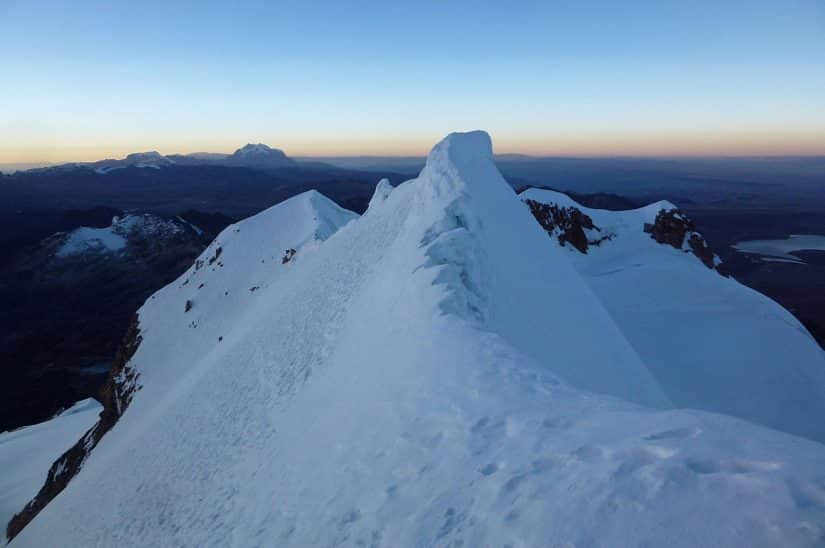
[[251, 155]]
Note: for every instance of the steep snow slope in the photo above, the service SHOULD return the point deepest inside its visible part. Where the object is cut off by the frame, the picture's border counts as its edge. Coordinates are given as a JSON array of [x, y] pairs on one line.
[[27, 453], [188, 318], [396, 385], [709, 341]]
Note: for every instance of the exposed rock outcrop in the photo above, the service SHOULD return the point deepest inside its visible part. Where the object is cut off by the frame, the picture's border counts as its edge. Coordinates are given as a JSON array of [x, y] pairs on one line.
[[670, 227], [568, 224], [674, 228], [702, 250], [218, 251], [115, 396]]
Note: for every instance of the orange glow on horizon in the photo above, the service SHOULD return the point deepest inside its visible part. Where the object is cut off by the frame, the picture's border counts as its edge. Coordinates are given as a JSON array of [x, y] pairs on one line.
[[574, 143]]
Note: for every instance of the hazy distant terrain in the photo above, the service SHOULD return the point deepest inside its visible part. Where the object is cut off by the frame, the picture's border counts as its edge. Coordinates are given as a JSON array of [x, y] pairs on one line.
[[22, 166], [769, 181]]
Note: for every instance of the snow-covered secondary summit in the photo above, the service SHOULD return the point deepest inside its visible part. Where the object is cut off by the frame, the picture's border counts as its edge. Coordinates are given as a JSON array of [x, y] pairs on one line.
[[433, 373], [709, 341]]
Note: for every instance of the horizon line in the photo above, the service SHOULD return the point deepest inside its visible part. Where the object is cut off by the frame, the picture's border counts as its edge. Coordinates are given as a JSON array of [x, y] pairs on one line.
[[423, 156]]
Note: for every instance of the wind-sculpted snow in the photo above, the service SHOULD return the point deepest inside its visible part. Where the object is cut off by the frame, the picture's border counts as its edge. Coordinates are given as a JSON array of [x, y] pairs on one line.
[[382, 192], [501, 256], [399, 384], [710, 342]]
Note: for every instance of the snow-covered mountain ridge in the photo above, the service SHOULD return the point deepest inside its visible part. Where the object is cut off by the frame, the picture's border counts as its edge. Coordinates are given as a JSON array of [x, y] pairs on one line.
[[251, 155], [435, 372], [710, 342]]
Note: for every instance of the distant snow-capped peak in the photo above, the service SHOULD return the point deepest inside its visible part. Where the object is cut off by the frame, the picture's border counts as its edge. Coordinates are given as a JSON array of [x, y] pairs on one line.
[[151, 157], [257, 149], [260, 153]]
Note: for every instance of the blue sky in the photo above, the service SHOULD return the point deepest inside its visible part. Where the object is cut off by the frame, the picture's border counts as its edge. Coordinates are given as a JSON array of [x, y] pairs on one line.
[[84, 80]]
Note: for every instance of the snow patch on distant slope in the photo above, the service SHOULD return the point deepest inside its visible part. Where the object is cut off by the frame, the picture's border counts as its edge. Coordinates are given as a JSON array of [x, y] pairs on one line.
[[115, 237], [86, 239]]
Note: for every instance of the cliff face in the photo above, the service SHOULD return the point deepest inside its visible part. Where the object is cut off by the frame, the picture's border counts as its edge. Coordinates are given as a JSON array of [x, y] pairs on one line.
[[115, 395], [568, 224], [674, 228]]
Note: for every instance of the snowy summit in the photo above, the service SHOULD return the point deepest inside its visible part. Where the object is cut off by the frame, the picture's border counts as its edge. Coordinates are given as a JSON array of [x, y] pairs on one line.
[[260, 155], [440, 372], [151, 159]]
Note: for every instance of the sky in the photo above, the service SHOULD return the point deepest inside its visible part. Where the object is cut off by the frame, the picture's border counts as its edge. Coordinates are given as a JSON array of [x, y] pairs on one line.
[[85, 80]]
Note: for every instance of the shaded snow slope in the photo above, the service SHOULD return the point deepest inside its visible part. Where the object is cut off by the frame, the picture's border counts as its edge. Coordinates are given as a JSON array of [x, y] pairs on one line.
[[709, 341], [398, 385], [27, 453]]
